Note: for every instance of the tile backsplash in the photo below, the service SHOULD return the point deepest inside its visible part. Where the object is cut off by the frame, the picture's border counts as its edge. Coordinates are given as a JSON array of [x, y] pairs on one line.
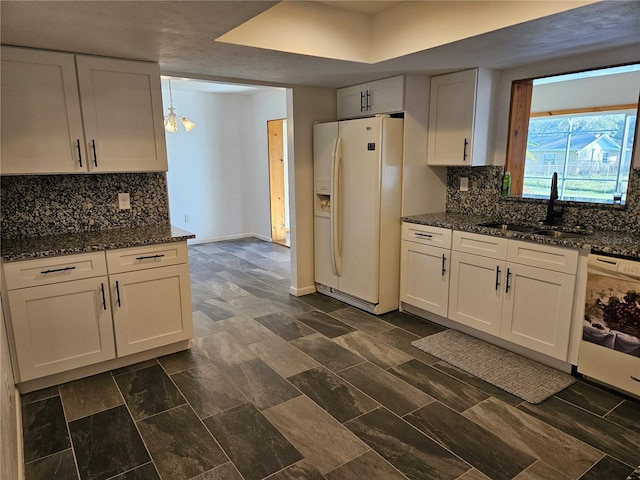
[[56, 204], [483, 198]]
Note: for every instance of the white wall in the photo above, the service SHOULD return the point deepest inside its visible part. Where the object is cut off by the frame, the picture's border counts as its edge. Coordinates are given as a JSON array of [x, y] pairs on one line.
[[218, 173], [555, 67], [269, 105], [305, 106]]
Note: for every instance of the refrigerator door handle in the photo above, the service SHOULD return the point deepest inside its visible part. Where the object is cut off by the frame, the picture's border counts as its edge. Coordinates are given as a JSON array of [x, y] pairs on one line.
[[335, 207]]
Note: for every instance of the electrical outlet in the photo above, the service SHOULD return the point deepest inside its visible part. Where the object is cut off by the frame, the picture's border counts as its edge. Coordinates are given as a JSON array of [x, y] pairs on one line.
[[187, 218], [464, 184], [124, 202]]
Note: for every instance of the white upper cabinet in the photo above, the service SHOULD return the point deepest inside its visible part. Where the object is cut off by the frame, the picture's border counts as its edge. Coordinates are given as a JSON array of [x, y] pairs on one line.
[[68, 114], [460, 118], [381, 96], [41, 120], [122, 112]]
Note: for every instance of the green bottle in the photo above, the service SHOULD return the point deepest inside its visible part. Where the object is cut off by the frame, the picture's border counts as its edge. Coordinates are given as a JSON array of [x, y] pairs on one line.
[[506, 184]]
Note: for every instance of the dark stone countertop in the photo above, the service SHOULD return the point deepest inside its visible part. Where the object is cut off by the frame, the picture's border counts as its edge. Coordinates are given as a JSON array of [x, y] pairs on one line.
[[73, 243], [598, 241]]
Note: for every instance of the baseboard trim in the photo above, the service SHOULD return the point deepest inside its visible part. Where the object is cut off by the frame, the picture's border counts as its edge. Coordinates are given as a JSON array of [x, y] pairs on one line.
[[221, 238], [299, 292]]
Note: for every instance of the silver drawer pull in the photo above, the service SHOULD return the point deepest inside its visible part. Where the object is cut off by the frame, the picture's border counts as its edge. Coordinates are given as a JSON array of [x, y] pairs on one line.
[[425, 235], [635, 379], [57, 270], [149, 257]]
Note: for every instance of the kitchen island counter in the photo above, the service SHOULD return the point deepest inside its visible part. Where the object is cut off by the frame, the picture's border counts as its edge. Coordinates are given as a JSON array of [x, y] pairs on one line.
[[82, 242], [597, 241]]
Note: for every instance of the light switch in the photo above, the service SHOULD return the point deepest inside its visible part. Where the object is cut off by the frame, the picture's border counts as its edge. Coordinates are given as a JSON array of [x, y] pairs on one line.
[[464, 184], [124, 202]]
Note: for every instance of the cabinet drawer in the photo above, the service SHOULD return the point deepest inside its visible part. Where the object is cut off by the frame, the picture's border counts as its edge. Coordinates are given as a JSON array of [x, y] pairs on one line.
[[426, 235], [558, 259], [150, 256], [485, 245], [44, 271]]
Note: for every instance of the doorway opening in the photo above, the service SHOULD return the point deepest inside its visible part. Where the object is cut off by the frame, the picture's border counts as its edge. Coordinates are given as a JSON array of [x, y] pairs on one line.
[[278, 181]]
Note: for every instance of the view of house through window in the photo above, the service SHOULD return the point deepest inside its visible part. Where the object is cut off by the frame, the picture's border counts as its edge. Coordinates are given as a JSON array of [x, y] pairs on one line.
[[580, 125], [591, 153]]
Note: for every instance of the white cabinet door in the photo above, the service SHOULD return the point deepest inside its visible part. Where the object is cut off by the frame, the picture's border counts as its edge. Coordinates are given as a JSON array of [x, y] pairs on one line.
[[352, 101], [537, 309], [61, 326], [475, 297], [151, 308], [461, 118], [425, 277], [122, 113], [41, 121], [381, 96], [386, 96]]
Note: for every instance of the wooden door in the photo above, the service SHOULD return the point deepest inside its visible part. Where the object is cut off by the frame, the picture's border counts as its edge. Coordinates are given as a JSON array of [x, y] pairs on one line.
[[275, 139]]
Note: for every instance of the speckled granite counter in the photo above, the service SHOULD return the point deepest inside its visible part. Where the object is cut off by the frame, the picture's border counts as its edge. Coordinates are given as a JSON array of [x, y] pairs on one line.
[[54, 245], [612, 243]]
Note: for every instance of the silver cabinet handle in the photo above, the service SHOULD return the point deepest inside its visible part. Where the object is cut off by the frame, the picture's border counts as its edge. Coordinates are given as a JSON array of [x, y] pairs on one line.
[[444, 264], [464, 151], [508, 285], [497, 277], [423, 235]]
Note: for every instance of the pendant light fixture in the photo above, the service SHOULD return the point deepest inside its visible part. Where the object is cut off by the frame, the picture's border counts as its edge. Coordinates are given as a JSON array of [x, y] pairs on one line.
[[170, 121]]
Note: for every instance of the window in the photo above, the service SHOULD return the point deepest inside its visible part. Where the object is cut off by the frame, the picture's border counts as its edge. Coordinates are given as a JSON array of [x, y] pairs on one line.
[[578, 128]]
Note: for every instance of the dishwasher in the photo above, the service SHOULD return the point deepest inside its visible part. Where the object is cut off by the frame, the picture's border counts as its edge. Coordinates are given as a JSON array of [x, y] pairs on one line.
[[610, 347]]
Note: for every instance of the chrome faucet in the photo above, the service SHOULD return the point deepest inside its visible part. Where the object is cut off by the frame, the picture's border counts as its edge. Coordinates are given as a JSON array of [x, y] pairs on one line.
[[554, 217]]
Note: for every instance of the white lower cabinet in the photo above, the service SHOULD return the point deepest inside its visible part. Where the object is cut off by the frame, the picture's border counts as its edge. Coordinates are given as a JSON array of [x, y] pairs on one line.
[[72, 311], [152, 307], [516, 290], [475, 296], [61, 326], [537, 309], [425, 259], [519, 291]]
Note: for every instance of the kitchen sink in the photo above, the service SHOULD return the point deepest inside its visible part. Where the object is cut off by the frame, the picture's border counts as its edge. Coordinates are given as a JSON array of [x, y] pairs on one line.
[[557, 234], [514, 227]]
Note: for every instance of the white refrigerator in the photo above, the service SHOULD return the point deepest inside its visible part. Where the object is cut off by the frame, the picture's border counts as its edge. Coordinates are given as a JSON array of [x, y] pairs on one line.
[[357, 205]]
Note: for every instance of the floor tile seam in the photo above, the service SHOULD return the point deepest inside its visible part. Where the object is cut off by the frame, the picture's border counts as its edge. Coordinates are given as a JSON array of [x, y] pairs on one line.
[[633, 433], [39, 399], [553, 428], [114, 375], [461, 381], [544, 420], [391, 327], [68, 427], [150, 462], [425, 435], [199, 475], [612, 409], [135, 424], [228, 457], [369, 450], [478, 425]]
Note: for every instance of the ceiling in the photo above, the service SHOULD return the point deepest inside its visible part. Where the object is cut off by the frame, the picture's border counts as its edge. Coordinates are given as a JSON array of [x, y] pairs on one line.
[[180, 36]]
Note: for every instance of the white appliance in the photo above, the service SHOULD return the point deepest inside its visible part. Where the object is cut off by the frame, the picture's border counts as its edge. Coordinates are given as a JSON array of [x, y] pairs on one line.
[[357, 196], [610, 346]]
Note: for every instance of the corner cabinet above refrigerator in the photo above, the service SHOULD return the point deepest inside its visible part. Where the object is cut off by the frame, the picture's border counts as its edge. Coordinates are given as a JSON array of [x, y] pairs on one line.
[[357, 197]]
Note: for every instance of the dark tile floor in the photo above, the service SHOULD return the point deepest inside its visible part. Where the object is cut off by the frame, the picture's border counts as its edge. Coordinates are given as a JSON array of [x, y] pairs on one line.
[[283, 388]]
